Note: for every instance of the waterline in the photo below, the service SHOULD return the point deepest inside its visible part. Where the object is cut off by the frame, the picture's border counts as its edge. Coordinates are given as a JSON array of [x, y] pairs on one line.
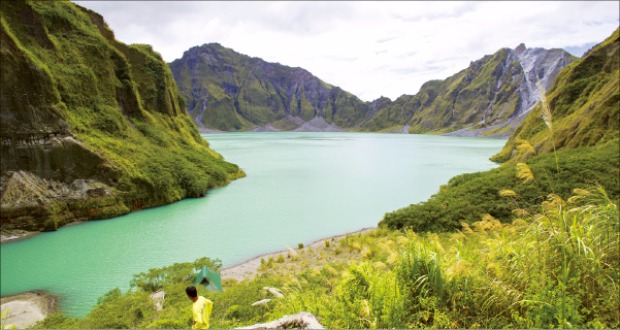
[[300, 187]]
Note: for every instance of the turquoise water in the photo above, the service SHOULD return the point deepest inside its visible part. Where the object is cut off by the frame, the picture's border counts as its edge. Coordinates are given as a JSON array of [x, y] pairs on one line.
[[300, 187]]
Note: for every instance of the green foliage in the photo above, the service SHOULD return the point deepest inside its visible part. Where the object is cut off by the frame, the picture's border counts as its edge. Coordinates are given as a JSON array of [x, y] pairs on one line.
[[3, 317], [467, 197], [557, 268], [156, 279], [58, 321]]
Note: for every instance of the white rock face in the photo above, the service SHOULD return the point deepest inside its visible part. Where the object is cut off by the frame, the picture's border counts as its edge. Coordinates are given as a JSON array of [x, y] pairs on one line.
[[538, 65], [318, 124]]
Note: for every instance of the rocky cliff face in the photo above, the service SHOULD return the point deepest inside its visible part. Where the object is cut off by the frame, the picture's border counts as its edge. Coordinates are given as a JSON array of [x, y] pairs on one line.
[[583, 103], [226, 90], [484, 99], [90, 127]]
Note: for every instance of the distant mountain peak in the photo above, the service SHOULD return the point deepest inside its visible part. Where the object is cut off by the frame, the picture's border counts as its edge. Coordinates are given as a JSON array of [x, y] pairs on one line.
[[228, 91]]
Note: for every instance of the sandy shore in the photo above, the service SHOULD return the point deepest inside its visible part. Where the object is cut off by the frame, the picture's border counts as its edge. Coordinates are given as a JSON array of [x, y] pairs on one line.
[[28, 308], [249, 268]]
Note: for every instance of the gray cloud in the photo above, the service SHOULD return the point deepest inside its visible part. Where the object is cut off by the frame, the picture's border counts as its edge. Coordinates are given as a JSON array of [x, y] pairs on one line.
[[454, 11], [400, 44], [384, 40]]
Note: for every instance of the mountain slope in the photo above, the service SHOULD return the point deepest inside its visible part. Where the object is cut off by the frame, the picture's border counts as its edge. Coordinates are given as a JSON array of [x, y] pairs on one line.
[[483, 99], [229, 91], [584, 102], [91, 128], [585, 105], [226, 90]]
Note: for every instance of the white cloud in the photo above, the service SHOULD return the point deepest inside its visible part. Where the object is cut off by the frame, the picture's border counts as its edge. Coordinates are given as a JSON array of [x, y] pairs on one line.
[[367, 48]]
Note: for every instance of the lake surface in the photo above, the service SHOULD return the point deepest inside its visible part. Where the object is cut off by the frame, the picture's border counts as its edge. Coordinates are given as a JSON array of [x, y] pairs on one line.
[[300, 187]]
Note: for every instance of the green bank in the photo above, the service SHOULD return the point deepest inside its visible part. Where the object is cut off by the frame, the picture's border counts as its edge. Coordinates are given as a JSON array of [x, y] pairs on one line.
[[91, 128]]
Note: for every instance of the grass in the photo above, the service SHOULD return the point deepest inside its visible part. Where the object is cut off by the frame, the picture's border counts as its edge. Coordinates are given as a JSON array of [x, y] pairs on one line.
[[557, 268]]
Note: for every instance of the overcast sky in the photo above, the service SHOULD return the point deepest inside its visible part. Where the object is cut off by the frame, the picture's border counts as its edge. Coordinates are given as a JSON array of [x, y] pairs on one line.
[[370, 49]]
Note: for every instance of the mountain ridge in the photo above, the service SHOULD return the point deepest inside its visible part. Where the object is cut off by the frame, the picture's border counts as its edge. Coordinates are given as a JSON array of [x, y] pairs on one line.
[[493, 91], [583, 104], [227, 90], [243, 92]]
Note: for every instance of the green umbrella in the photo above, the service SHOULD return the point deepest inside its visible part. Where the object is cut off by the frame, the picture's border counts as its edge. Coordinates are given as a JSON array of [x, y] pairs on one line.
[[209, 278]]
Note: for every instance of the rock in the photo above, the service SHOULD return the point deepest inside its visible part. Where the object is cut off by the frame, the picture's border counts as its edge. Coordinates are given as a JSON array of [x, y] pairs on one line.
[[274, 292], [230, 91], [261, 302], [491, 94], [265, 128], [302, 320], [158, 298]]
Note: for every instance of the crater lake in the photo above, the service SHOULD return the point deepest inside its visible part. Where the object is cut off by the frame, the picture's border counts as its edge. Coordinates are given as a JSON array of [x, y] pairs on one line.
[[300, 187]]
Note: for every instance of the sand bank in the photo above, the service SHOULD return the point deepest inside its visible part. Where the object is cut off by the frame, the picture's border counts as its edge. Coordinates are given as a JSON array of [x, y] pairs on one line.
[[28, 308]]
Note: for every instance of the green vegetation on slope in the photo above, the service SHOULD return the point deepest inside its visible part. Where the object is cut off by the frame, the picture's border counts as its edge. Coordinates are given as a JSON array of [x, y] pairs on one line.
[[558, 268], [79, 105], [584, 105], [584, 102], [230, 91], [466, 197], [489, 92]]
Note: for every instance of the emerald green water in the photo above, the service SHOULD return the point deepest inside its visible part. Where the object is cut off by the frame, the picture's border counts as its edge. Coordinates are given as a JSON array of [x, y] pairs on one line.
[[300, 187]]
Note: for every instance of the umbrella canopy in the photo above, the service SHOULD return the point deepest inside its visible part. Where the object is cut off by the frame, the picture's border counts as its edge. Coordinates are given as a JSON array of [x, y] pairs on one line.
[[210, 279]]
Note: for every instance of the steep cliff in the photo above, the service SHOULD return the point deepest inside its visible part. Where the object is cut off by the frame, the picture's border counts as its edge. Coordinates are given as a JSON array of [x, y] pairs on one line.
[[226, 90], [584, 104], [90, 127], [484, 99]]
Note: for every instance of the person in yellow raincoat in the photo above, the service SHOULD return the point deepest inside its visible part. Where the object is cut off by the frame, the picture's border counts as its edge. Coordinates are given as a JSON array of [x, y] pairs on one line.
[[201, 308]]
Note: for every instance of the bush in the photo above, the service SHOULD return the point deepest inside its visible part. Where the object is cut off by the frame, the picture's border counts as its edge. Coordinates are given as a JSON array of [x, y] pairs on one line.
[[469, 196]]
